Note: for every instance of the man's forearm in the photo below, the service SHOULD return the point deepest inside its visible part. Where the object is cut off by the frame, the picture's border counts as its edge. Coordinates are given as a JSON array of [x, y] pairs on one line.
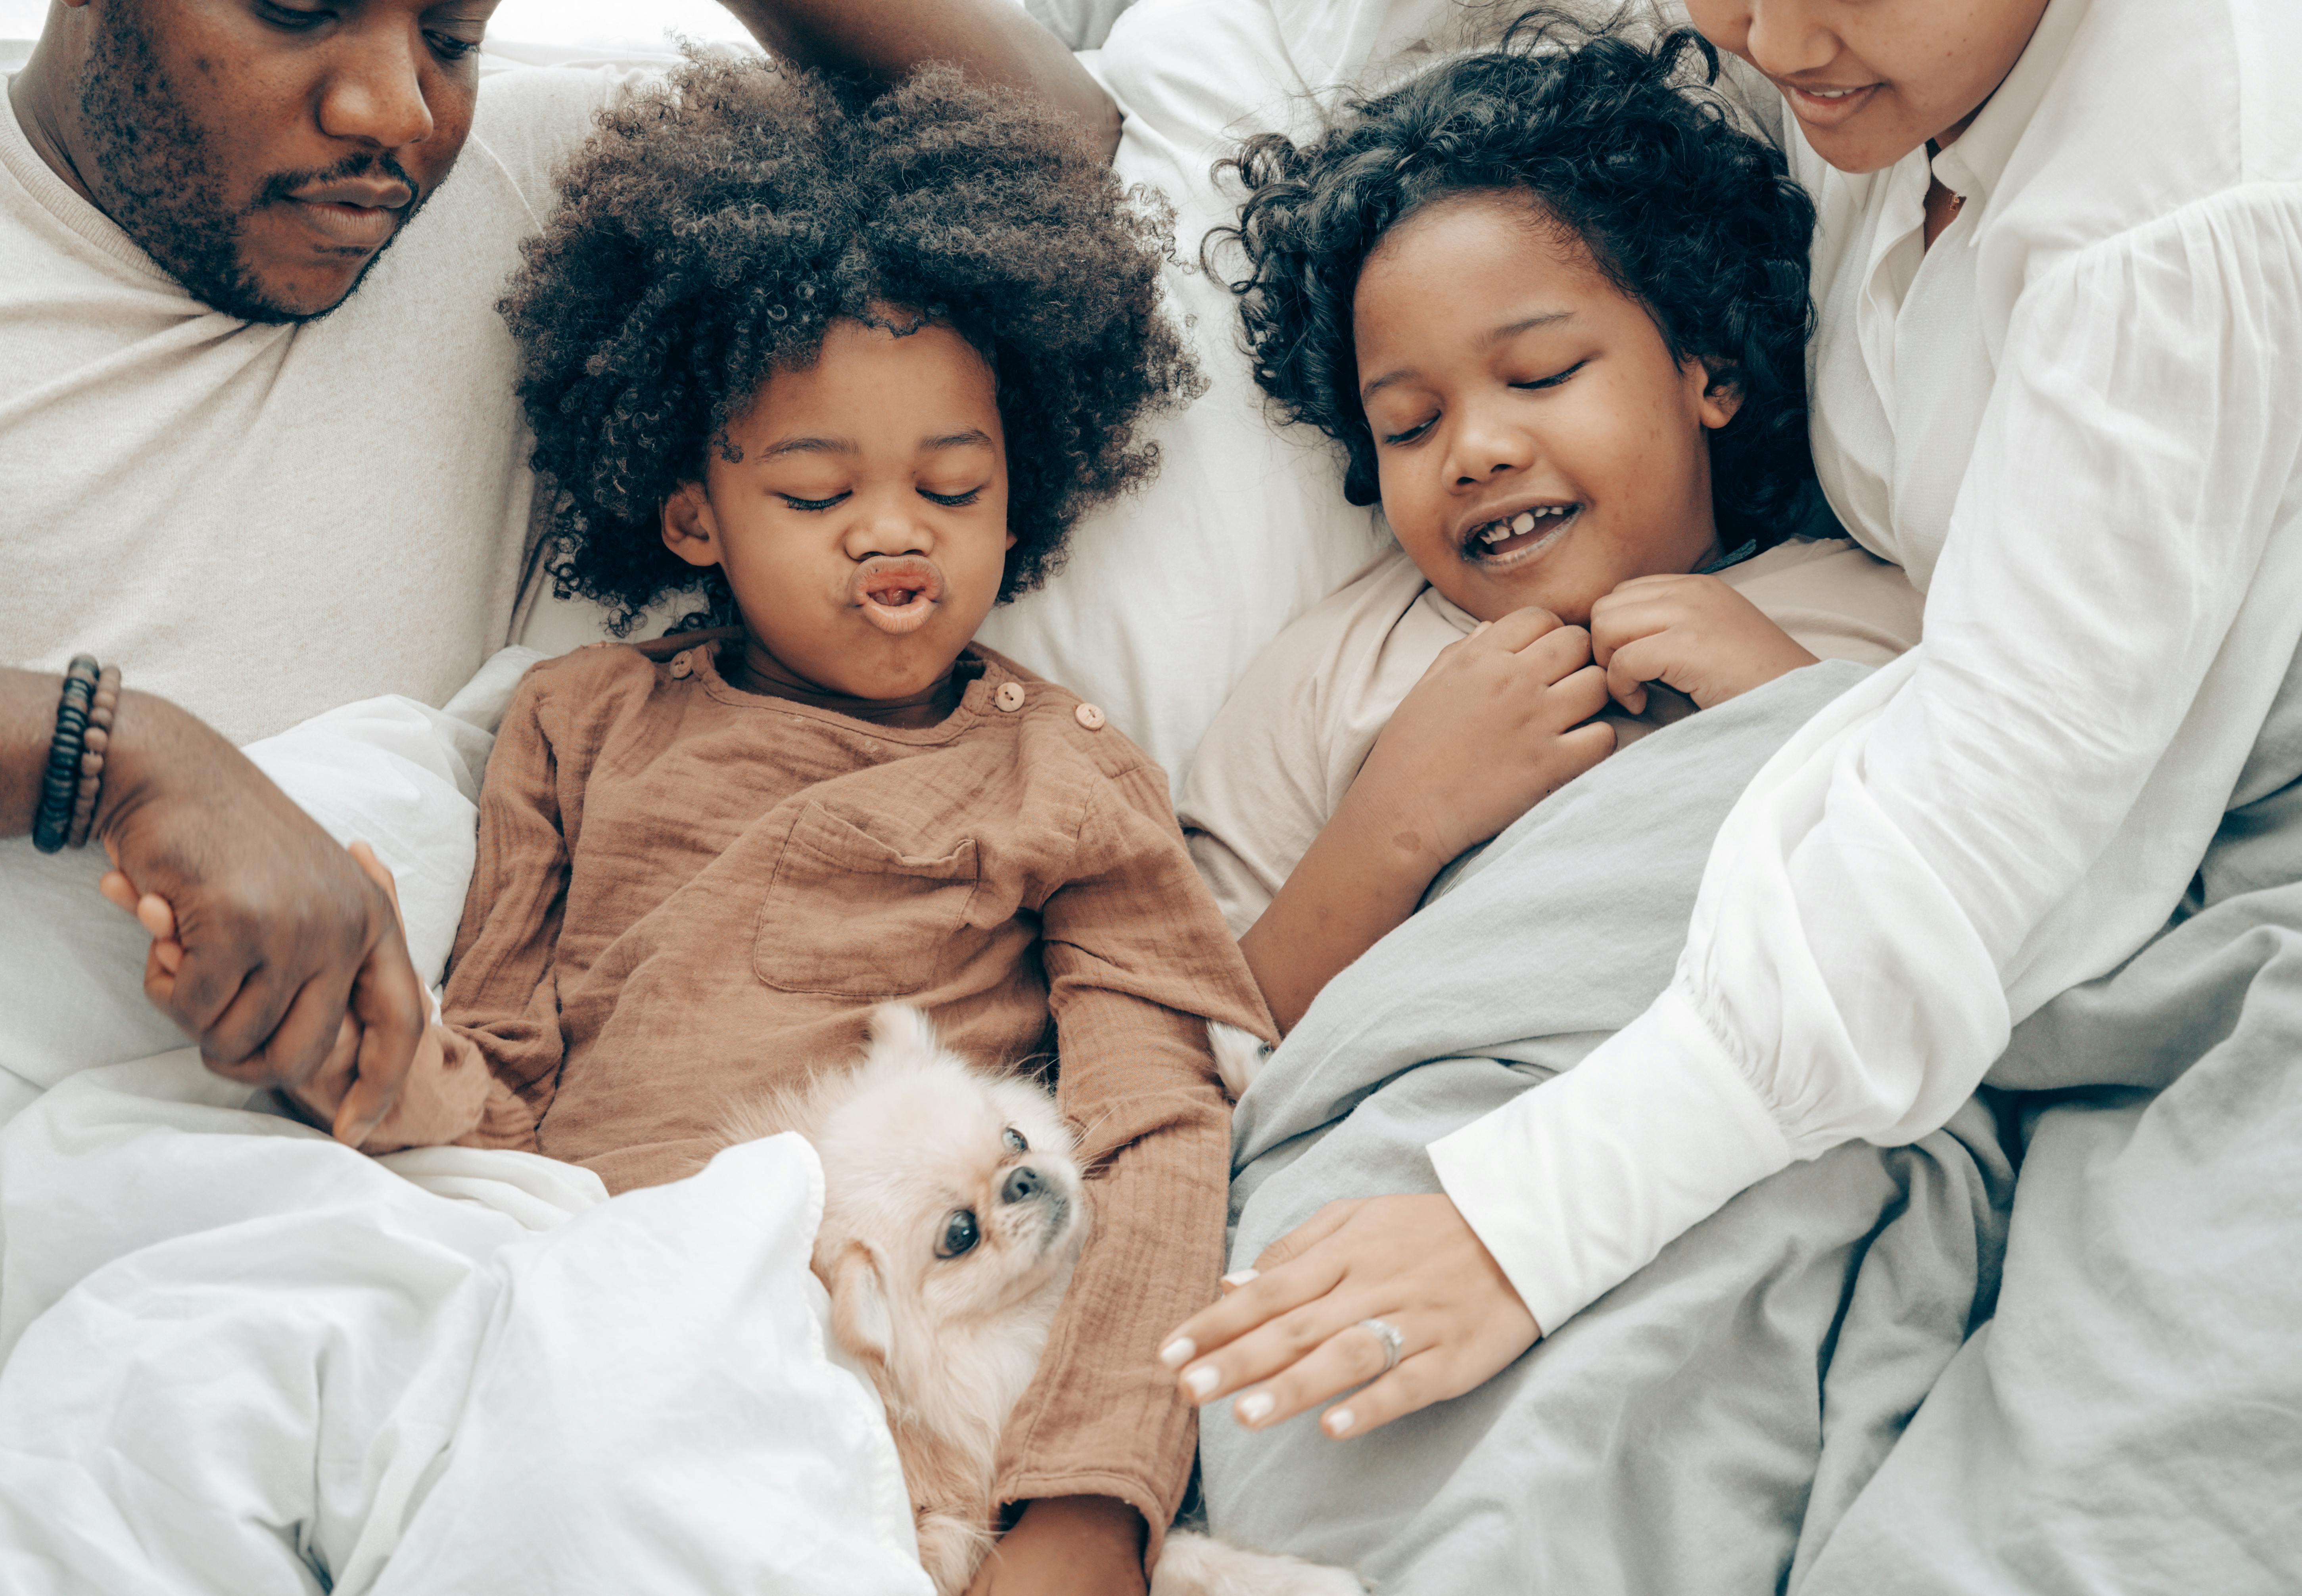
[[992, 41], [27, 720]]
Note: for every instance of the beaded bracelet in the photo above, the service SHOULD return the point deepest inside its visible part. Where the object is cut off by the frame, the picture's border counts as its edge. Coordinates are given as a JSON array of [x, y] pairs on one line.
[[93, 745], [60, 783]]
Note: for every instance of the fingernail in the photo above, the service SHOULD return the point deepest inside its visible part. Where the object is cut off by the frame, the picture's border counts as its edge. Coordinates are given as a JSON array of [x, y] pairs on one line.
[[1240, 1277], [1253, 1408], [1339, 1421], [1178, 1352], [1201, 1381]]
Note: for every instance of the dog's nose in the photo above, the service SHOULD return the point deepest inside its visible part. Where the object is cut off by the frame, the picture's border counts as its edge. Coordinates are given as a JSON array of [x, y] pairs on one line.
[[1023, 1184]]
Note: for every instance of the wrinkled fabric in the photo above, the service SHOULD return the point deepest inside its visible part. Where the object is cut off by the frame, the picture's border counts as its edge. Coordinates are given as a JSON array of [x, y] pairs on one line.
[[1683, 1433], [243, 1358]]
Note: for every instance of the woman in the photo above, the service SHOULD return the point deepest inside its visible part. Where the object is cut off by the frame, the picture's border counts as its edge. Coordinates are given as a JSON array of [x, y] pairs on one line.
[[2059, 277]]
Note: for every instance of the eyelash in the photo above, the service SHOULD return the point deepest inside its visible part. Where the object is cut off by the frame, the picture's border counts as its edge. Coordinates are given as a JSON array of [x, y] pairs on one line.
[[1396, 440], [446, 46], [951, 501]]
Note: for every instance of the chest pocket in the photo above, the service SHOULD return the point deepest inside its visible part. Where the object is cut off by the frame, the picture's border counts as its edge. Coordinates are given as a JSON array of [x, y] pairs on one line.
[[850, 915]]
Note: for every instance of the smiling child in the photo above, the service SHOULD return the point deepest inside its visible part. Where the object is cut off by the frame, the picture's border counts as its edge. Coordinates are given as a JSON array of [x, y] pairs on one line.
[[850, 371], [1553, 306]]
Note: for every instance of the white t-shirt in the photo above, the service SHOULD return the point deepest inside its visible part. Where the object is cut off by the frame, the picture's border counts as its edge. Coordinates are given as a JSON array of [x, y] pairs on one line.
[[1290, 740], [2076, 421], [261, 522]]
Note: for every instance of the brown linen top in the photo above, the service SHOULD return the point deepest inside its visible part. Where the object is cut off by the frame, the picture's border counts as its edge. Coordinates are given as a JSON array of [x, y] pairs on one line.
[[686, 893]]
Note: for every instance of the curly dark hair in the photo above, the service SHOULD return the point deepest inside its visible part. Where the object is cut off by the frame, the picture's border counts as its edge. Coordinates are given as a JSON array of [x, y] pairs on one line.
[[713, 227], [1615, 138]]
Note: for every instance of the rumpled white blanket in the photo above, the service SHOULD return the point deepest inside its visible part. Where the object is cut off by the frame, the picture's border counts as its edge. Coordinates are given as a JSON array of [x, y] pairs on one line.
[[237, 1357]]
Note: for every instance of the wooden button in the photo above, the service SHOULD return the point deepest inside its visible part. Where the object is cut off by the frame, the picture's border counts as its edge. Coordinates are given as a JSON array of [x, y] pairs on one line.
[[681, 664], [1010, 696], [1089, 717]]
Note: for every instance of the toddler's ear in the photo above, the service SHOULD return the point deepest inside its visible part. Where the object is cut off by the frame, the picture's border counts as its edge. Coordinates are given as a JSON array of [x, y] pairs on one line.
[[859, 1305], [689, 529]]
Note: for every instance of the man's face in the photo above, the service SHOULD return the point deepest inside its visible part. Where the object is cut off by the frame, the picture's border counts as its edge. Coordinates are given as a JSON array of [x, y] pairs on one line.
[[266, 151]]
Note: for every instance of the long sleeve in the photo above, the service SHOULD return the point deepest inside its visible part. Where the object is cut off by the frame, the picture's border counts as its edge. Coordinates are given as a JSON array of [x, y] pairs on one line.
[[2007, 811], [502, 1000], [1137, 961]]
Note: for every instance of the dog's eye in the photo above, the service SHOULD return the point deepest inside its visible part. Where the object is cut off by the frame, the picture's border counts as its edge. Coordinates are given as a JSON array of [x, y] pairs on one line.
[[1014, 1140], [958, 1234]]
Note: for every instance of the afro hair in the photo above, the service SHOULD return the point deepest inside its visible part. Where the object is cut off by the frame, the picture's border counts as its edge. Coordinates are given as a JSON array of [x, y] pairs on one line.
[[1619, 138], [715, 225]]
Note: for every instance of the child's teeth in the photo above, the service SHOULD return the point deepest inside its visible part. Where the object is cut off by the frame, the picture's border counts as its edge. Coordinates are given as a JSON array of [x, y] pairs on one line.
[[1523, 522]]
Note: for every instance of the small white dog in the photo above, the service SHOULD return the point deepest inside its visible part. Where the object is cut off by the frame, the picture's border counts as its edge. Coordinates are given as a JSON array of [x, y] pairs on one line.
[[952, 1216]]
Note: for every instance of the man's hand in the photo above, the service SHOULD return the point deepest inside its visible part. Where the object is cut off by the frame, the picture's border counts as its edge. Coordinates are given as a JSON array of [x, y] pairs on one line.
[[1694, 633], [1495, 725], [266, 932], [1291, 1335], [1067, 1546]]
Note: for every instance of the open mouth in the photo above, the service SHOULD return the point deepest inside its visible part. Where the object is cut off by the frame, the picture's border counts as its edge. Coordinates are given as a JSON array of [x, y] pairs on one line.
[[1518, 537], [1827, 107], [896, 594]]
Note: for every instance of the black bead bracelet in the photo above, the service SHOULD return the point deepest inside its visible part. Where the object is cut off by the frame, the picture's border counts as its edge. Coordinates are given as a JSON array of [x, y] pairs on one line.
[[60, 783]]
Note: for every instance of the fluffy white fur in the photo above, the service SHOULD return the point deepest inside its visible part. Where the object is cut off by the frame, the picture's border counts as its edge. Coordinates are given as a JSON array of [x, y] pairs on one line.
[[909, 1138]]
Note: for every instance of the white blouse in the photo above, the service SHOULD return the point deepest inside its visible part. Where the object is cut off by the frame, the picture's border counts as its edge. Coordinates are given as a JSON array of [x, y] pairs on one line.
[[2077, 422]]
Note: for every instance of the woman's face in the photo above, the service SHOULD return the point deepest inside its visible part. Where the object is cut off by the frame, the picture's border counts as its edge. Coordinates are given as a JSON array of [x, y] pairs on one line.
[[1535, 441], [1871, 81], [863, 530]]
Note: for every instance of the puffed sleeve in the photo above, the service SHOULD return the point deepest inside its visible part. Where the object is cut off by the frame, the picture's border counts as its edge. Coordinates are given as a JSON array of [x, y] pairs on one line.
[[1137, 960], [2008, 810], [502, 1000]]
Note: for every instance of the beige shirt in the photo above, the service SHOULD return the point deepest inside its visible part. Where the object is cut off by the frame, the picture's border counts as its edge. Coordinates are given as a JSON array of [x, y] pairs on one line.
[[1291, 741]]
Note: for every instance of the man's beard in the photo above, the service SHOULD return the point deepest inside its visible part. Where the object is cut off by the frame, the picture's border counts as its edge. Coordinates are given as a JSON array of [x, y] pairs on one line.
[[162, 188]]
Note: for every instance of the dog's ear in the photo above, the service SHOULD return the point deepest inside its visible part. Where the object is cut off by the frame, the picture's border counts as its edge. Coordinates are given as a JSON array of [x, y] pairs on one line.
[[900, 1031], [859, 1318]]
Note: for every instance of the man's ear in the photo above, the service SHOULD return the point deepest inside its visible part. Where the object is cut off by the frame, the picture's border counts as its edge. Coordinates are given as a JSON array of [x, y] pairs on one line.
[[1721, 396], [859, 1319], [689, 528]]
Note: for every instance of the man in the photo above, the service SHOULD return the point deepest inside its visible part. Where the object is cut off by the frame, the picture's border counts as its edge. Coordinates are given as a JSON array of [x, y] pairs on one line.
[[263, 452]]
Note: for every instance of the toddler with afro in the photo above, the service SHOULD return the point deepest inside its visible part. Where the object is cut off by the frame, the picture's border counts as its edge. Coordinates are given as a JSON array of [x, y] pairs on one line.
[[843, 373]]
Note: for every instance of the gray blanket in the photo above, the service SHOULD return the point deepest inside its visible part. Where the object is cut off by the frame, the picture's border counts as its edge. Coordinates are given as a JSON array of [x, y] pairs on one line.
[[1681, 1433], [1739, 1416], [2131, 1420]]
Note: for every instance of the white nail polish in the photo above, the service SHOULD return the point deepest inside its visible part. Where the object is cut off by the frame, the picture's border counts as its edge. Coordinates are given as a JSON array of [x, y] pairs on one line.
[[1201, 1383], [1178, 1352], [1240, 1277], [1254, 1407], [1340, 1421]]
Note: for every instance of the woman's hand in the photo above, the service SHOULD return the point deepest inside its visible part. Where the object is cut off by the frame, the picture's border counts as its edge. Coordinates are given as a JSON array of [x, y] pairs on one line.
[[1695, 634], [1288, 1338], [1067, 1546], [1498, 722], [267, 933]]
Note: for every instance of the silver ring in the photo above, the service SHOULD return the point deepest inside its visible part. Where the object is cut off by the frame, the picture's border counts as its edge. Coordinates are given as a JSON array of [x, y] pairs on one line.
[[1393, 1343]]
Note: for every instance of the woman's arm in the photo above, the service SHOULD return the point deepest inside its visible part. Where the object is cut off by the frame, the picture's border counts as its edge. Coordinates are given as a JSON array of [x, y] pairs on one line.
[[274, 932], [994, 42]]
